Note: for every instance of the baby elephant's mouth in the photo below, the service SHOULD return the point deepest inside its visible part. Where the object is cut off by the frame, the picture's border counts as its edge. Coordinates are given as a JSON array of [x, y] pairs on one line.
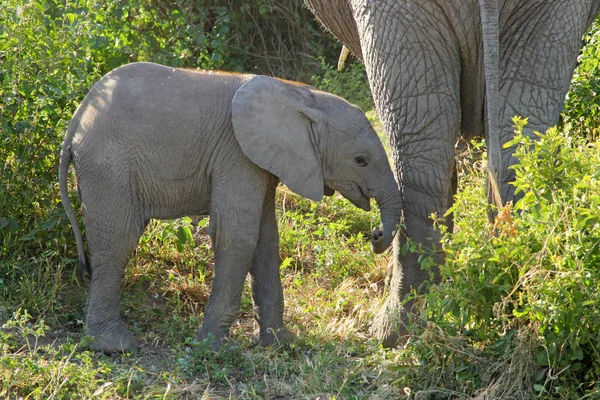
[[353, 192], [360, 200]]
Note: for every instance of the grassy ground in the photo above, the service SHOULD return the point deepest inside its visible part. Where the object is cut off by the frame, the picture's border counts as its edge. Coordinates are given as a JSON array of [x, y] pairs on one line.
[[516, 316], [333, 285]]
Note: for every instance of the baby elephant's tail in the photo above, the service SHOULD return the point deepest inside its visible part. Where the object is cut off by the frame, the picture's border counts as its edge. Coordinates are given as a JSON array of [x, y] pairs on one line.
[[63, 172]]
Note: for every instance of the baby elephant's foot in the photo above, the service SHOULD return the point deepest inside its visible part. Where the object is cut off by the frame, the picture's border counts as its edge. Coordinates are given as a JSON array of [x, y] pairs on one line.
[[217, 342], [116, 340], [277, 336]]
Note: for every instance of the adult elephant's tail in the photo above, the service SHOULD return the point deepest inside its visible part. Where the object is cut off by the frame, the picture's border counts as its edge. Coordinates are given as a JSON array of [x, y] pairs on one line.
[[491, 57], [63, 172]]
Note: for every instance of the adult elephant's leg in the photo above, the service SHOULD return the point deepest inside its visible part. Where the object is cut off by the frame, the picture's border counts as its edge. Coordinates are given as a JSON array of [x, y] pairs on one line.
[[539, 44], [412, 59], [236, 205], [267, 291], [113, 228]]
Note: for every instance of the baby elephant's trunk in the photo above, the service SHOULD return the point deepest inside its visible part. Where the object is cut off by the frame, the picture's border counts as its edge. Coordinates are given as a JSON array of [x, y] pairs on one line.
[[390, 205]]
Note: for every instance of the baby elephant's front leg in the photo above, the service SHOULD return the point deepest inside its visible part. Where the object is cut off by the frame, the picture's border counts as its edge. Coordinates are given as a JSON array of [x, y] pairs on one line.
[[267, 291], [234, 224]]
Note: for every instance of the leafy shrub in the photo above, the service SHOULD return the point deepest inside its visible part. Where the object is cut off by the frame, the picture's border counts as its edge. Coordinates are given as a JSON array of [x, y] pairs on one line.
[[535, 269], [45, 69], [270, 37], [351, 83], [581, 115]]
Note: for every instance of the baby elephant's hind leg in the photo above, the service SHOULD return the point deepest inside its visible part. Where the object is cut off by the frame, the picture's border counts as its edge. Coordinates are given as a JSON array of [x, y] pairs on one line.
[[112, 236]]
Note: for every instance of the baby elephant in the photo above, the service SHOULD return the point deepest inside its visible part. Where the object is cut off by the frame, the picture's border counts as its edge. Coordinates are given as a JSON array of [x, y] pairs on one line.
[[149, 141]]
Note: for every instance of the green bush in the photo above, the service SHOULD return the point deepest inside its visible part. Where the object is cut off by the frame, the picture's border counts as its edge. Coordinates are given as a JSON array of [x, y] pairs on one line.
[[351, 83], [581, 115], [535, 270], [269, 37], [46, 67]]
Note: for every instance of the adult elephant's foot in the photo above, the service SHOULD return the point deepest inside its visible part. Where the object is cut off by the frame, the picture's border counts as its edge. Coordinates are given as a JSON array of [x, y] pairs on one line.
[[116, 340], [390, 324], [272, 336]]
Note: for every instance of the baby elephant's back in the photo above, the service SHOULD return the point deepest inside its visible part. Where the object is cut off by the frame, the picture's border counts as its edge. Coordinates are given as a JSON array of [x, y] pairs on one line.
[[166, 120], [157, 104], [155, 128]]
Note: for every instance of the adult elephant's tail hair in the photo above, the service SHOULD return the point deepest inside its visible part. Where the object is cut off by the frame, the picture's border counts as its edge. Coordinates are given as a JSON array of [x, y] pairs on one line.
[[63, 172]]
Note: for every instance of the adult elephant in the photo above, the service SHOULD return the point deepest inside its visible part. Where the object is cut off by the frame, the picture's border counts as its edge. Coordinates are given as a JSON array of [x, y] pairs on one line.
[[431, 65]]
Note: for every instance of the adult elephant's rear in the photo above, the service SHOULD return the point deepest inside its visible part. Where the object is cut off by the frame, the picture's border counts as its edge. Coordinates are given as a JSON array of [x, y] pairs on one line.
[[427, 68]]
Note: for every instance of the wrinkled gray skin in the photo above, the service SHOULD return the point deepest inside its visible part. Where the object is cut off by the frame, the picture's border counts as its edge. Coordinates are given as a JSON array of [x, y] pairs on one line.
[[439, 69], [150, 141]]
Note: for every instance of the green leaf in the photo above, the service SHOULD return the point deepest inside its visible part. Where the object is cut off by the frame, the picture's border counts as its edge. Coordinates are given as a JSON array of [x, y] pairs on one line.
[[3, 222], [541, 358], [520, 314], [39, 6], [539, 388], [184, 236], [48, 225], [167, 231], [405, 248], [286, 262]]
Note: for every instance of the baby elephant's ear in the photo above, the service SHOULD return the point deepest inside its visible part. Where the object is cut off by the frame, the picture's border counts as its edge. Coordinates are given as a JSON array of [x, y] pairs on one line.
[[271, 123]]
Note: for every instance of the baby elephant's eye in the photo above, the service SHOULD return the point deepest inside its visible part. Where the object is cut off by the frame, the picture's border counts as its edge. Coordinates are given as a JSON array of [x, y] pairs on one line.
[[361, 160]]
